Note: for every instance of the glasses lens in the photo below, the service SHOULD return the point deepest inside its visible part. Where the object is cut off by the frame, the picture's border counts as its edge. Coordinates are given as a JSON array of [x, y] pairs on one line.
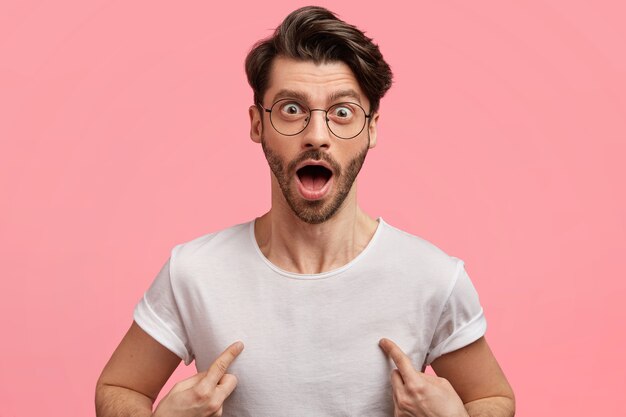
[[346, 120], [289, 117]]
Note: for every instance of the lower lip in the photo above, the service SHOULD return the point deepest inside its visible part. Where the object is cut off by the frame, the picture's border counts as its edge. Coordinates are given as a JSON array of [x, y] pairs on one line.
[[314, 194]]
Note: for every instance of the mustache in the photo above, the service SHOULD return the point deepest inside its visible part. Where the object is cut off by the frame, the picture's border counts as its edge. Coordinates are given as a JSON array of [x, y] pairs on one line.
[[315, 155]]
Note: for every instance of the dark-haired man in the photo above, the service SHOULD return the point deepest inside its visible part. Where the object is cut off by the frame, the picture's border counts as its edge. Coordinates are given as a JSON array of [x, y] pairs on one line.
[[339, 312]]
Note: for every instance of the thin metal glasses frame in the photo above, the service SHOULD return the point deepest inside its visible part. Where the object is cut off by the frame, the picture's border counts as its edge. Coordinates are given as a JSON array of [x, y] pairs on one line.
[[327, 120]]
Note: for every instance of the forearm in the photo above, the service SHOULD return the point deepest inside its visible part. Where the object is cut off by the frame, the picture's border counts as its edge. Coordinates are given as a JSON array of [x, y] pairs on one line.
[[491, 407], [112, 401]]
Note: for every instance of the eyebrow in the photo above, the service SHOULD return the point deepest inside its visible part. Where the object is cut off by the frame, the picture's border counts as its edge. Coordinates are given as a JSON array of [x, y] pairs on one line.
[[334, 96], [291, 94], [345, 93]]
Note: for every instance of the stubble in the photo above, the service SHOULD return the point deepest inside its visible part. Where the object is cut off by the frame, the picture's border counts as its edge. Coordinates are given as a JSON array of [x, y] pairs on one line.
[[315, 211]]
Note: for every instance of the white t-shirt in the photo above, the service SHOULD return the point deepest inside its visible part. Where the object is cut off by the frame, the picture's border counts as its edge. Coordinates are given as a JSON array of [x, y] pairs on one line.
[[311, 341]]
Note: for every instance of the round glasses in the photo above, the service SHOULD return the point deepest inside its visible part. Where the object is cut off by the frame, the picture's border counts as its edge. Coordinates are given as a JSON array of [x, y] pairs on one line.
[[290, 117]]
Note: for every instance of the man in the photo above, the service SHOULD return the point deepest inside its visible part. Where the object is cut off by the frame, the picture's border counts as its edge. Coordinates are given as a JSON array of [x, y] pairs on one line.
[[339, 312]]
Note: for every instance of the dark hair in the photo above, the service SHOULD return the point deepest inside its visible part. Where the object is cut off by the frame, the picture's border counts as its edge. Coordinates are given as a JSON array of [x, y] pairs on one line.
[[316, 34]]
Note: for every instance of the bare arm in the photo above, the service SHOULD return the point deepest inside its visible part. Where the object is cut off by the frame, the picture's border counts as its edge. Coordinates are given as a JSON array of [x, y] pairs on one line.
[[469, 383], [139, 368], [478, 380], [134, 376]]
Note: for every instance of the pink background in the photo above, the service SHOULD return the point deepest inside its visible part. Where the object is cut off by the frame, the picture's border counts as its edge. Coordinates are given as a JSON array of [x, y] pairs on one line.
[[124, 131]]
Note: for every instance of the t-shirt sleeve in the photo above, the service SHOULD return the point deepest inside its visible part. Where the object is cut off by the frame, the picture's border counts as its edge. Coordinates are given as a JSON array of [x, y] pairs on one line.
[[157, 313], [462, 320]]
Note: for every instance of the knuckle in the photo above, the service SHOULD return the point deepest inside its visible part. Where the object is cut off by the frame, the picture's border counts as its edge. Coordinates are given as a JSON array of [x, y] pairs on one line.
[[198, 394], [404, 403], [221, 365], [413, 388], [214, 407], [232, 379]]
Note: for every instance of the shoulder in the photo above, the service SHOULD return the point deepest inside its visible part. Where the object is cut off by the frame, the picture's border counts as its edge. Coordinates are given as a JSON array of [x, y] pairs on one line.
[[214, 238], [403, 243], [418, 257], [222, 244]]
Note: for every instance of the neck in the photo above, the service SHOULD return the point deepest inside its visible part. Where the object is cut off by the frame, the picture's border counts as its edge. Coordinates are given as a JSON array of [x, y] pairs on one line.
[[304, 248]]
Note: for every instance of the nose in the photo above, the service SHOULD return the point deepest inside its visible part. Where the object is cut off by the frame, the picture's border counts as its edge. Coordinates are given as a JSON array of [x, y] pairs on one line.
[[316, 134]]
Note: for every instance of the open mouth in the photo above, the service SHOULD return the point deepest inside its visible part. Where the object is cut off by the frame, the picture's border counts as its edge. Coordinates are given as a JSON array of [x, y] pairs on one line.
[[314, 177]]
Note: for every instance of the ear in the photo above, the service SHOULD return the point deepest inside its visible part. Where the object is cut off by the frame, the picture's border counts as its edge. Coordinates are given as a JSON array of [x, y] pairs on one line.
[[373, 130], [256, 124]]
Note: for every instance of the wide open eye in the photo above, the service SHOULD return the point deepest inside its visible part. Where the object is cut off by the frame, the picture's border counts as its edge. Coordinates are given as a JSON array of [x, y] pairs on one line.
[[341, 113], [291, 109]]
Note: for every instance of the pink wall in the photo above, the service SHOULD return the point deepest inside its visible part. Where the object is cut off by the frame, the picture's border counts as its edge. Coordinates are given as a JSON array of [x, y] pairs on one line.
[[502, 141]]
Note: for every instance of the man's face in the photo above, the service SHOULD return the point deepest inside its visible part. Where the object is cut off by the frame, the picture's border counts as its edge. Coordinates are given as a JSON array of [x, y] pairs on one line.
[[314, 169]]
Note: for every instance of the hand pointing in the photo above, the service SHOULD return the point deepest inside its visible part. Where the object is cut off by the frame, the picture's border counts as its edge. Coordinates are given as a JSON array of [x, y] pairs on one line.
[[416, 394], [203, 394]]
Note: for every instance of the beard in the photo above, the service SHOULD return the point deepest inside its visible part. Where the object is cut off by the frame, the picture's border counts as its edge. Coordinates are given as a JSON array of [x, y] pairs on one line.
[[315, 211]]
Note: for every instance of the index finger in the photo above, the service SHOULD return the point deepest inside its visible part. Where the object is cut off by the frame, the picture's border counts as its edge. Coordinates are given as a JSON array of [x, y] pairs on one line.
[[220, 366], [402, 361]]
